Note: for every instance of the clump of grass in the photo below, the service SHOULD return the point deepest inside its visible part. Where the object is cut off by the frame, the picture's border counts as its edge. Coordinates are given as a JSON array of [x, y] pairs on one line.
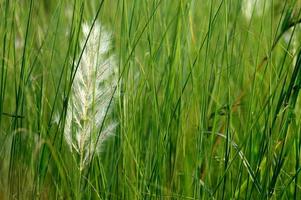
[[186, 69]]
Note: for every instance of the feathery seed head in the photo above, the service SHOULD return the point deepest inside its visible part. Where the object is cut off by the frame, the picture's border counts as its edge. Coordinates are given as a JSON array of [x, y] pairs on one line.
[[254, 7], [92, 91]]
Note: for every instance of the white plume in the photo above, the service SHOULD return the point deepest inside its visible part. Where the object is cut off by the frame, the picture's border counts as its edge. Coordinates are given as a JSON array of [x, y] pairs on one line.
[[91, 94], [258, 7]]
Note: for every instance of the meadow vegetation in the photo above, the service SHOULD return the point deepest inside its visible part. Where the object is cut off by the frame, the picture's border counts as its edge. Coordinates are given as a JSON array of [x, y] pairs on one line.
[[203, 101]]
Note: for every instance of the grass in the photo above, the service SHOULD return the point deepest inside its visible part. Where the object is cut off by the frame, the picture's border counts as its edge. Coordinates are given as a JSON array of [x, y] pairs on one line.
[[207, 102]]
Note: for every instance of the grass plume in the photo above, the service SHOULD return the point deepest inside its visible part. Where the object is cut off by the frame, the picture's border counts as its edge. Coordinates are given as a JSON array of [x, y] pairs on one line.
[[92, 91]]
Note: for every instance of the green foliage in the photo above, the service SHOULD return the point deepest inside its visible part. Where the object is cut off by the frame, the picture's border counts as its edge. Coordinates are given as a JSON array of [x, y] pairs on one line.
[[207, 102]]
